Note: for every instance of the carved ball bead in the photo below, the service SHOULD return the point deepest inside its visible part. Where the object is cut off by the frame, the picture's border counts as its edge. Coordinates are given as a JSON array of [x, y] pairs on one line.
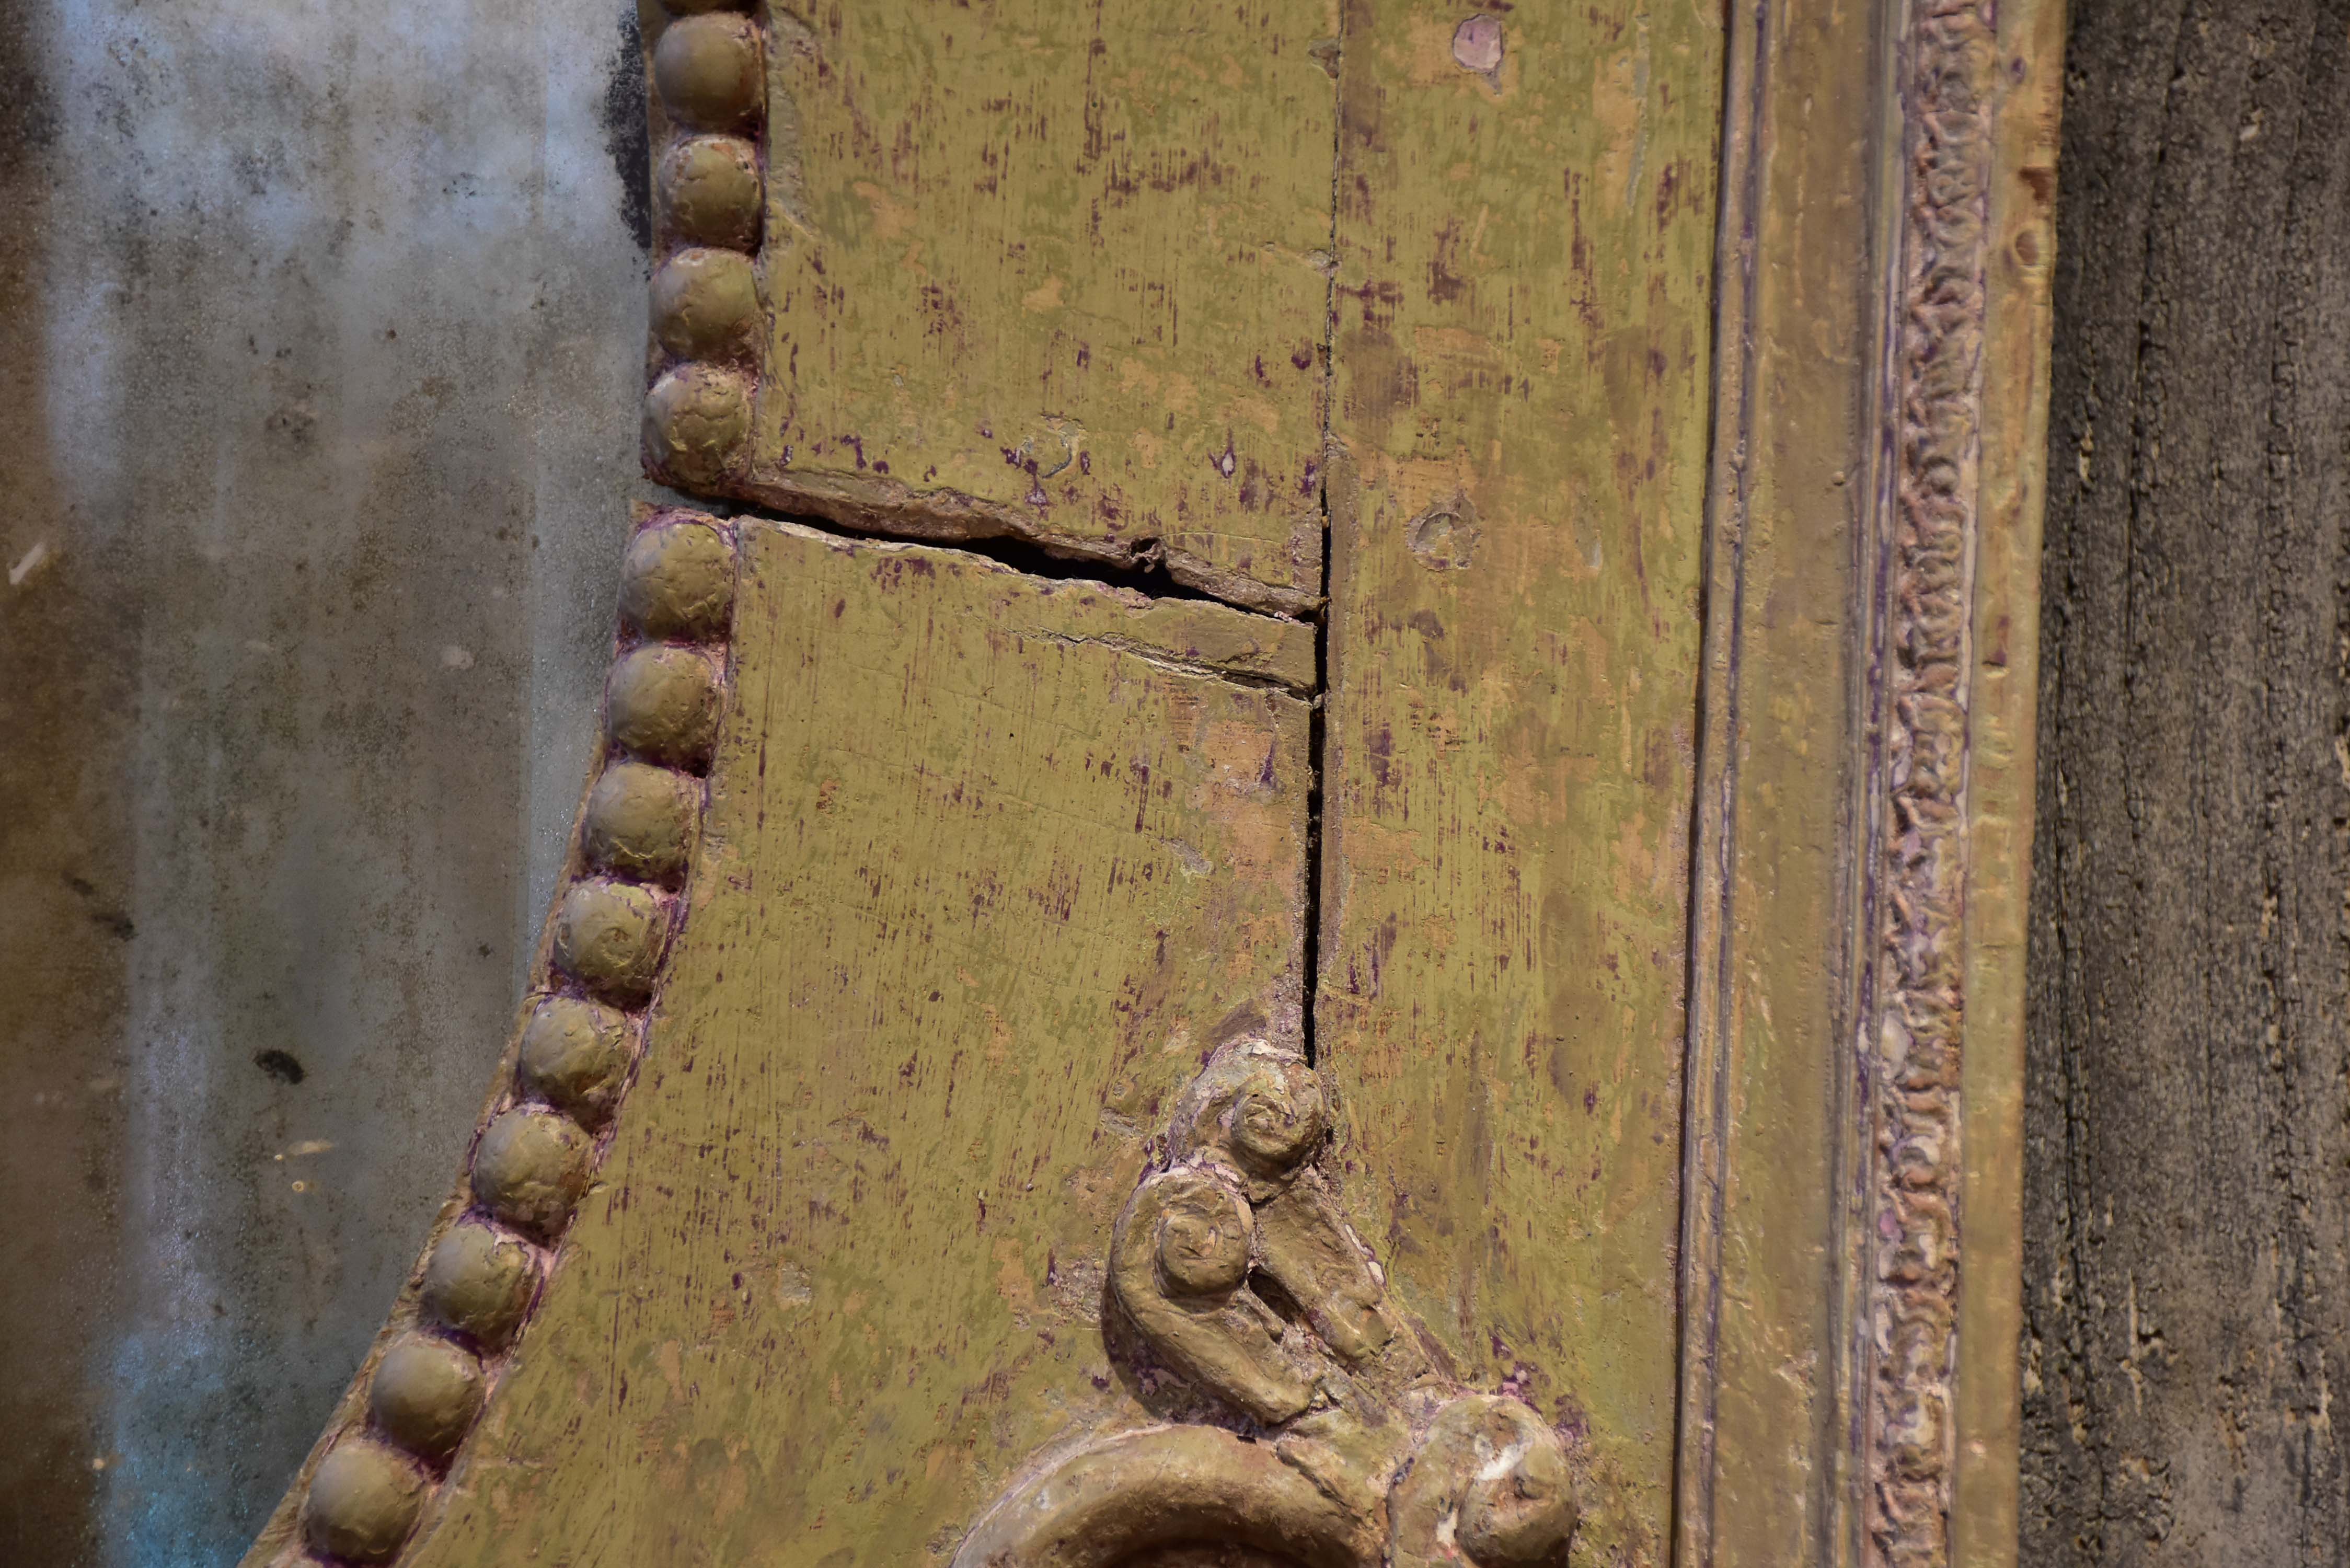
[[640, 821], [576, 1054], [1523, 1517], [1493, 1465], [425, 1395], [478, 1282], [608, 936], [704, 304], [363, 1501], [661, 704], [1203, 1241], [706, 69], [678, 581], [530, 1168], [710, 191], [696, 418]]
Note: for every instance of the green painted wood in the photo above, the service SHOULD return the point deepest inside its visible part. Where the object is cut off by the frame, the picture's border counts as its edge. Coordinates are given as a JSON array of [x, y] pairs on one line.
[[1522, 337], [990, 862], [988, 867]]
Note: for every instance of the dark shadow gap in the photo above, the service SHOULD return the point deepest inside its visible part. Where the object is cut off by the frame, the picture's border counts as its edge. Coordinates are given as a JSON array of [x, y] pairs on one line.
[[1317, 721], [1151, 580]]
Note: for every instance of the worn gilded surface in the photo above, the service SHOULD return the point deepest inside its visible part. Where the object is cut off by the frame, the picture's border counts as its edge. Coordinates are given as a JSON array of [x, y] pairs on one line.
[[1522, 347], [1054, 271], [1987, 1407], [989, 864]]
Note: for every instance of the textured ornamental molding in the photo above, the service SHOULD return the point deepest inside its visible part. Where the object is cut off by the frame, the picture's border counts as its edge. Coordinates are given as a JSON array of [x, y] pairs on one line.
[[378, 1477], [1927, 537], [709, 77]]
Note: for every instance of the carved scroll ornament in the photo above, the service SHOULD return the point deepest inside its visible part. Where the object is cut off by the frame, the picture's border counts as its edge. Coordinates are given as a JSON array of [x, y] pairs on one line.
[[1315, 1424]]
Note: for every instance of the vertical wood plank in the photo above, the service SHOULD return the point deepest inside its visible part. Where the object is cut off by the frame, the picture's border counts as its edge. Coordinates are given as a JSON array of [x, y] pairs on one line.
[[1767, 1443], [2187, 1161], [1985, 1491], [1526, 208]]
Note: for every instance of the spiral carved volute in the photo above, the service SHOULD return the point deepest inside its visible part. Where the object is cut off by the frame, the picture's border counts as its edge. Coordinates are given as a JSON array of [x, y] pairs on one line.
[[1319, 1431]]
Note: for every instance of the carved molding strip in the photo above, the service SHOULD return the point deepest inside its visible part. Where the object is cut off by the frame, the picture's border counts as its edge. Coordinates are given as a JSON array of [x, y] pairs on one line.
[[378, 1472], [1307, 1420], [708, 71], [1910, 1050]]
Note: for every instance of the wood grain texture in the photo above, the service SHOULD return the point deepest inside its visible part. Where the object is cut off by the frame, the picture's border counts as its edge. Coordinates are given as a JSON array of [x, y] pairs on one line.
[[2188, 1293], [1521, 345], [1056, 272], [989, 865]]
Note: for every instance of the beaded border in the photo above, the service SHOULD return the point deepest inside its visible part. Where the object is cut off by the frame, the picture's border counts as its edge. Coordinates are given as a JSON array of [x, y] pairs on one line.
[[708, 73], [1926, 536], [375, 1475]]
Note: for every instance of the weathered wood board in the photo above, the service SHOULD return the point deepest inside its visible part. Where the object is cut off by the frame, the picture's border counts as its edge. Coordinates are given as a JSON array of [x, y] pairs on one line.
[[1763, 1444], [989, 864], [1526, 242], [1056, 272], [2187, 1168]]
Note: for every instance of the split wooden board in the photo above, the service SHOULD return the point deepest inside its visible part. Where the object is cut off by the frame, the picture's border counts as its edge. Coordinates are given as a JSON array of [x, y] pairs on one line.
[[989, 864], [1058, 273]]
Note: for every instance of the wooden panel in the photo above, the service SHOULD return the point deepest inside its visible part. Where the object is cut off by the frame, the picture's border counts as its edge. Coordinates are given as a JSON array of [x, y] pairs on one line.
[[1653, 979], [1056, 272], [989, 864], [1521, 343]]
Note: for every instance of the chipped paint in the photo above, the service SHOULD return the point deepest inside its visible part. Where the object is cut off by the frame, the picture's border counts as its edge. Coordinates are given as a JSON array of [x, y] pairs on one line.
[[1523, 384], [1064, 857]]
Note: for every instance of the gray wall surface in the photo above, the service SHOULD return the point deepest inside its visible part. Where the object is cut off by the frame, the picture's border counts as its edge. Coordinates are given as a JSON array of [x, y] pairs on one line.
[[321, 330]]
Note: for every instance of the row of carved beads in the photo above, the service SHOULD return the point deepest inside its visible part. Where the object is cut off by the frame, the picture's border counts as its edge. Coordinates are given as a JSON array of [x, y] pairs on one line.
[[583, 1035], [709, 69]]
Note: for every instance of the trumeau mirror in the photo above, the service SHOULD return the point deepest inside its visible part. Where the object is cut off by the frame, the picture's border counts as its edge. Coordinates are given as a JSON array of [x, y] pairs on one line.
[[1311, 849]]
